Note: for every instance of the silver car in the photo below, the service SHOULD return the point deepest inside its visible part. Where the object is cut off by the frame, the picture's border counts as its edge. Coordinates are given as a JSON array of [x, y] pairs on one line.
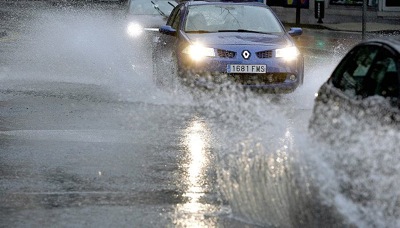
[[362, 90], [146, 16]]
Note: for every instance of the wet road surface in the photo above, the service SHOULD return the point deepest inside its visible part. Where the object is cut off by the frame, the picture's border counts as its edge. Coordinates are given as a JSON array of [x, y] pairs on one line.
[[87, 139]]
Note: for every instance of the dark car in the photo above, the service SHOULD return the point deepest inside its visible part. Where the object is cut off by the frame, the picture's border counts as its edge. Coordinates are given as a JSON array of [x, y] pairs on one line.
[[147, 15], [243, 42], [363, 89]]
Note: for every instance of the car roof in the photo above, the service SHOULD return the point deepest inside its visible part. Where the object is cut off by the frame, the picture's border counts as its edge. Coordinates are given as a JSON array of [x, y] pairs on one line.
[[393, 42]]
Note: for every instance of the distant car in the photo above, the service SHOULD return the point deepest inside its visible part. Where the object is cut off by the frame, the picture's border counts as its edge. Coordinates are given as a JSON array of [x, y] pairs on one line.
[[243, 42], [147, 16], [363, 89]]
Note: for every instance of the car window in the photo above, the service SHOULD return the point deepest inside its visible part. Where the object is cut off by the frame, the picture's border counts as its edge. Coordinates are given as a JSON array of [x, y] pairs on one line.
[[368, 71], [353, 69], [214, 18], [145, 7], [385, 75], [173, 20], [177, 19]]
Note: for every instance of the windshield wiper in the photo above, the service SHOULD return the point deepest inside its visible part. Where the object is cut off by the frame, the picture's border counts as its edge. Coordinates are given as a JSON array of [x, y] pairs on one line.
[[243, 30], [158, 9], [173, 6]]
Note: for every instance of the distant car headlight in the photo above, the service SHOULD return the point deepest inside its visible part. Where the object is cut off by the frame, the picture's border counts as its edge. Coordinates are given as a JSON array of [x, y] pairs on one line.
[[288, 53], [135, 29], [197, 51]]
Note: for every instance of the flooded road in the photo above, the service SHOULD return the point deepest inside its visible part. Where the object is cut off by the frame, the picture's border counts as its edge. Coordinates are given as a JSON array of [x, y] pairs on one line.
[[87, 139]]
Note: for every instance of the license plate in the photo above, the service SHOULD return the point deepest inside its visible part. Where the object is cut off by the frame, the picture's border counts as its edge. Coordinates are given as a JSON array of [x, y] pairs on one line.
[[241, 68]]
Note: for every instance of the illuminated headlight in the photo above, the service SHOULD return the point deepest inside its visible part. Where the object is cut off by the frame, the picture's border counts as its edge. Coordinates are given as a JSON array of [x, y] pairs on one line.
[[134, 29], [289, 53], [197, 51]]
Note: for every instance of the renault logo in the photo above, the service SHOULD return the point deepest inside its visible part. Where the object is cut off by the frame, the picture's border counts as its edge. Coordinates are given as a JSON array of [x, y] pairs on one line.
[[246, 54]]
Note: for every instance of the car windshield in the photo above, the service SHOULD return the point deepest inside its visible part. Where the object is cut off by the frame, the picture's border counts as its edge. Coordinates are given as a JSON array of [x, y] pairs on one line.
[[231, 18], [146, 7]]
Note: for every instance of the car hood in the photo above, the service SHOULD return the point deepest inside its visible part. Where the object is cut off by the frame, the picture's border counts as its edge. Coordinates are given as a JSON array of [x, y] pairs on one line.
[[148, 21], [230, 38]]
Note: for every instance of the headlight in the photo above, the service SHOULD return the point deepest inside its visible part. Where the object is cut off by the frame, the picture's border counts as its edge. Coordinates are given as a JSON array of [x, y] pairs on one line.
[[198, 51], [134, 29], [288, 53]]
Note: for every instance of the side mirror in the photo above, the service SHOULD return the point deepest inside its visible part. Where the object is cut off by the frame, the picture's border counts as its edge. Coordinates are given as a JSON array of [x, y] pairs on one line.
[[168, 30], [295, 31]]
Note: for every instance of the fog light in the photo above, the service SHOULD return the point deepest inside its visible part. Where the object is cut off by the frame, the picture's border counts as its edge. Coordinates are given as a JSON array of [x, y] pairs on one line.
[[292, 77]]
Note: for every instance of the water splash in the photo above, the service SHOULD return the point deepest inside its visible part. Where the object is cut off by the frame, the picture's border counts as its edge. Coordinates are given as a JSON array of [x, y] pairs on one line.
[[274, 174], [365, 188], [84, 45], [273, 188]]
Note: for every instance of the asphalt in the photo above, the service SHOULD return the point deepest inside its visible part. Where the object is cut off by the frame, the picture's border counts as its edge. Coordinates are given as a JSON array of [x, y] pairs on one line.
[[334, 38], [371, 27], [357, 27]]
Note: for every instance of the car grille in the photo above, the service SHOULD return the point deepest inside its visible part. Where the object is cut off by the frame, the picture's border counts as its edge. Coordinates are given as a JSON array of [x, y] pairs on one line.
[[226, 54], [259, 79], [264, 54]]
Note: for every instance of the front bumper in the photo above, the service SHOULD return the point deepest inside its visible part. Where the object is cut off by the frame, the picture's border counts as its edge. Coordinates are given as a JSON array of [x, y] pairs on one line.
[[280, 74]]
